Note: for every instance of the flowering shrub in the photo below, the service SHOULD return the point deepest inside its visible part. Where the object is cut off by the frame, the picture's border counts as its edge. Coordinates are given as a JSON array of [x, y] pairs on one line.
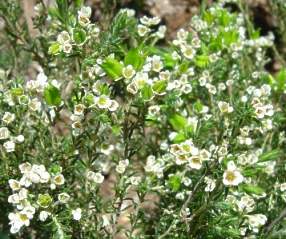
[[119, 136]]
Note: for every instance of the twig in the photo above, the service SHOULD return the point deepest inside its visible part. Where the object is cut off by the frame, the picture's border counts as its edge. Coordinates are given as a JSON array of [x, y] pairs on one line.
[[276, 221]]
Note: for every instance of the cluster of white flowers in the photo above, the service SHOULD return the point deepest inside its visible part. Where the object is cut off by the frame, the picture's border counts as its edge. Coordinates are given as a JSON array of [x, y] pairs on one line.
[[187, 152], [23, 199], [5, 134], [259, 101], [95, 177], [146, 27]]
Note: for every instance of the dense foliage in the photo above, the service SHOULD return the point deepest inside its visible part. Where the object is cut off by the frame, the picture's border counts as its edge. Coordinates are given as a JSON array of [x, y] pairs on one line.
[[107, 131]]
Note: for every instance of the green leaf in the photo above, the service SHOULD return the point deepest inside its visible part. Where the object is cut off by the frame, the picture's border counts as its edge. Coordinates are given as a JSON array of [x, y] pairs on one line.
[[55, 48], [147, 92], [52, 95], [271, 155], [79, 36], [180, 137], [17, 91], [63, 9], [159, 86], [202, 61], [252, 189], [281, 79], [174, 182], [134, 58], [178, 122], [112, 68]]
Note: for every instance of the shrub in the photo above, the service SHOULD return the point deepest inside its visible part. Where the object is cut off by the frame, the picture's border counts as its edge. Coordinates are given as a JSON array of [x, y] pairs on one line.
[[119, 135]]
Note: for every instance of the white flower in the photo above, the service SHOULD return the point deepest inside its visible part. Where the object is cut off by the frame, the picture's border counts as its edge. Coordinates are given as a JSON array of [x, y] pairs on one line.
[[17, 221], [67, 48], [205, 155], [85, 11], [211, 183], [107, 149], [283, 187], [157, 64], [35, 105], [128, 72], [76, 214], [96, 177], [63, 37], [256, 221], [9, 146], [84, 15], [150, 21], [59, 179], [224, 107], [161, 32], [135, 180], [102, 102], [132, 88], [246, 204], [63, 197], [195, 162], [43, 216], [232, 176], [141, 79], [188, 51], [8, 117], [143, 30], [14, 184], [4, 133], [25, 167], [113, 105], [122, 165], [153, 110], [20, 138], [79, 109]]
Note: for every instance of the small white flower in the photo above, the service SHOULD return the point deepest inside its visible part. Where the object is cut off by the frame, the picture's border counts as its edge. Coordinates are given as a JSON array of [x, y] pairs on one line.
[[128, 72], [59, 179], [9, 146], [63, 37], [113, 105], [188, 51], [161, 32], [79, 109], [102, 102], [143, 30], [4, 133], [132, 88], [256, 221], [224, 107], [232, 176], [85, 11], [96, 177], [195, 162], [25, 167], [211, 183], [157, 64], [76, 214], [35, 105], [20, 138], [43, 216], [14, 184], [67, 48], [141, 79], [8, 117], [63, 197], [150, 21]]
